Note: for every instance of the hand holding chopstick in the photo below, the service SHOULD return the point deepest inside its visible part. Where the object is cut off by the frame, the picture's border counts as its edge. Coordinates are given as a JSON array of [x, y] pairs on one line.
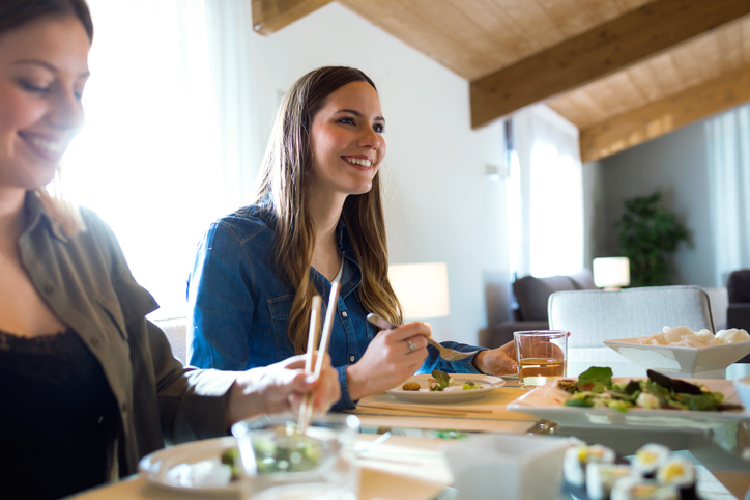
[[305, 410]]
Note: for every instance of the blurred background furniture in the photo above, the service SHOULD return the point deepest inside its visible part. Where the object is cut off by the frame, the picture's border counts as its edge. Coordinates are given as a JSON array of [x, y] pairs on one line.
[[532, 295], [738, 302], [176, 332], [591, 316]]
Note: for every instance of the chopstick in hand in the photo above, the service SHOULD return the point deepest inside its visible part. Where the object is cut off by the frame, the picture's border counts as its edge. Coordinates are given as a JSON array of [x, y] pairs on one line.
[[312, 340], [322, 349]]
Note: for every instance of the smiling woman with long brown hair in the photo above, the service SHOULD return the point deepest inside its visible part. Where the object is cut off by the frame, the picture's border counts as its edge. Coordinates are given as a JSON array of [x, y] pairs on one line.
[[88, 386], [317, 218]]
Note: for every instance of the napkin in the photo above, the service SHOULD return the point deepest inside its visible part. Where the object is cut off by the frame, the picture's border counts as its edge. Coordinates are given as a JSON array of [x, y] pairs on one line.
[[508, 467]]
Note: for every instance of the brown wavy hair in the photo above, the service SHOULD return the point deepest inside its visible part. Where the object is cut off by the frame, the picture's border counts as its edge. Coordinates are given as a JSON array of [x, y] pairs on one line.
[[283, 190]]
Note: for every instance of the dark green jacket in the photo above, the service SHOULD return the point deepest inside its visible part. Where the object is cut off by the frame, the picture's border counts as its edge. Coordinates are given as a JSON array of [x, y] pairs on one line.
[[87, 283]]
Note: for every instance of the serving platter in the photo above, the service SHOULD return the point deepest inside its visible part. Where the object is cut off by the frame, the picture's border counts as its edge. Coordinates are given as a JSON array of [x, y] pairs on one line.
[[439, 397], [546, 402], [192, 468]]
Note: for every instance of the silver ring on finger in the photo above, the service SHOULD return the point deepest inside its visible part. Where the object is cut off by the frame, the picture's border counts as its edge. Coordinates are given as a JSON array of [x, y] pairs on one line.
[[412, 346]]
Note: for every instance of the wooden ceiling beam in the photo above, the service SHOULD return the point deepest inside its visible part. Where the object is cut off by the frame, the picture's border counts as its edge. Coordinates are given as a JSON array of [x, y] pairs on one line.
[[270, 16], [638, 34], [665, 115]]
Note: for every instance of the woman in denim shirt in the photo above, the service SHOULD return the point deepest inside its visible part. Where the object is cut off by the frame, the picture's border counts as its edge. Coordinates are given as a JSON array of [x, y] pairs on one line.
[[317, 218]]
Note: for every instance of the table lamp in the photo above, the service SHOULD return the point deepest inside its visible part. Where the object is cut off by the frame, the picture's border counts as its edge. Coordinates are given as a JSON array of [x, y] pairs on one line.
[[611, 273], [421, 288]]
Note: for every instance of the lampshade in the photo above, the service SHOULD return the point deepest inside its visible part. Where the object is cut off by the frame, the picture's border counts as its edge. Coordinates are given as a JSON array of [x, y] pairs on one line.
[[421, 288], [610, 272]]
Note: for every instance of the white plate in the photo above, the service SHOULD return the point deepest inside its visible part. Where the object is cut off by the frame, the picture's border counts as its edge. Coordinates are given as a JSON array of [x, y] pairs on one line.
[[488, 385], [191, 467], [546, 402], [682, 361]]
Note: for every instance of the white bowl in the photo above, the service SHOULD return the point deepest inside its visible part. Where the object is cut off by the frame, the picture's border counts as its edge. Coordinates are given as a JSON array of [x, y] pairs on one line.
[[742, 387], [682, 361]]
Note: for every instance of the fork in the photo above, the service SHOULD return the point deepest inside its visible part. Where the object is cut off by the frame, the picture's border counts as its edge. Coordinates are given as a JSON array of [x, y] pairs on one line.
[[445, 353]]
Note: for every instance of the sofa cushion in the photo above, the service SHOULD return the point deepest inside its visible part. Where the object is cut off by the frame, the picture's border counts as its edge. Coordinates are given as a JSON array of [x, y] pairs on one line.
[[584, 279], [532, 294]]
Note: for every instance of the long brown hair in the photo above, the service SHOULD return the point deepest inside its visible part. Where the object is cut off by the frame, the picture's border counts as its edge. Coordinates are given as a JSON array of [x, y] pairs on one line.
[[15, 14], [283, 191]]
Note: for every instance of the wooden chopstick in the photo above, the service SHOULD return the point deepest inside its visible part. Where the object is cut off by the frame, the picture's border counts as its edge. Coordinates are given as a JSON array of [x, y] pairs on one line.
[[333, 298], [312, 341]]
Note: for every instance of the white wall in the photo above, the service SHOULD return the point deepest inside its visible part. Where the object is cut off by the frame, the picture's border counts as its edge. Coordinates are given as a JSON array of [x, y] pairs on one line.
[[440, 205]]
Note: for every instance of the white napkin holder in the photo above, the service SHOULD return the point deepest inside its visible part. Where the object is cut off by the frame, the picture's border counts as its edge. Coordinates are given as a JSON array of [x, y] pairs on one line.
[[508, 467]]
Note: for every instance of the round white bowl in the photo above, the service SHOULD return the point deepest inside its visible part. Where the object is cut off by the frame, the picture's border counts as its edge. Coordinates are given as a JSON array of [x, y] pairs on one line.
[[682, 361]]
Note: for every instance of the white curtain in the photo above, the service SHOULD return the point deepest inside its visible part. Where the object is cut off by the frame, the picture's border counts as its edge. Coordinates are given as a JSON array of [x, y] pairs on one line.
[[168, 145], [728, 147], [547, 184]]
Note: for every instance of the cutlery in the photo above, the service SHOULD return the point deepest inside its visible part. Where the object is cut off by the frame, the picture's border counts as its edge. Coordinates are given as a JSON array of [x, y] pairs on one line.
[[445, 353]]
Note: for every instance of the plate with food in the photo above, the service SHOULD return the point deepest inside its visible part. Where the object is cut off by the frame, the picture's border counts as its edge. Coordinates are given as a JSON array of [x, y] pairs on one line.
[[441, 387], [204, 467], [656, 402]]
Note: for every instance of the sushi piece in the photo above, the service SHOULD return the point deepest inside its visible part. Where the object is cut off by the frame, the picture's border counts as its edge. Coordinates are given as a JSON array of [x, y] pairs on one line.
[[648, 459], [633, 488], [577, 457], [681, 473], [601, 477]]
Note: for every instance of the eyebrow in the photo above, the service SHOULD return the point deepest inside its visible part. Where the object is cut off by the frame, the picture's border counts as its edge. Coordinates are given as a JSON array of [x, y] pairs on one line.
[[45, 64], [357, 113]]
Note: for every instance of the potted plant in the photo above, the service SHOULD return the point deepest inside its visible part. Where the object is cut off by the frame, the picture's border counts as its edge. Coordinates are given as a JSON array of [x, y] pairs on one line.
[[648, 233]]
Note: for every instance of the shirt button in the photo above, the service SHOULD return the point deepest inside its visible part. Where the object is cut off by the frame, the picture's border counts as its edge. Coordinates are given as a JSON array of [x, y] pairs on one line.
[[124, 407], [95, 341], [351, 358], [344, 314], [49, 289]]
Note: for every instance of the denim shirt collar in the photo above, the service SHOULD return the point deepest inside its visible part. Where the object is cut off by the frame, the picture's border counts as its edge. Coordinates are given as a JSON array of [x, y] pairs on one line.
[[352, 275]]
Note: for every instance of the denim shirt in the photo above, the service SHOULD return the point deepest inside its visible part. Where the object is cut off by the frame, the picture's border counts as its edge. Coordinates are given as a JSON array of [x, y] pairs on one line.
[[240, 306]]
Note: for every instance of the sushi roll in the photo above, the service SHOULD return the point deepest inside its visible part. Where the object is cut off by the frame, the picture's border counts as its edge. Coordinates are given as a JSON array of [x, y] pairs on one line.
[[577, 457], [633, 488], [681, 473], [601, 477], [648, 459]]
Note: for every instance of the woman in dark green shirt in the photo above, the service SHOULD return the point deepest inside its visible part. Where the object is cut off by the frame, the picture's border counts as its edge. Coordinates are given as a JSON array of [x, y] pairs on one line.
[[88, 386]]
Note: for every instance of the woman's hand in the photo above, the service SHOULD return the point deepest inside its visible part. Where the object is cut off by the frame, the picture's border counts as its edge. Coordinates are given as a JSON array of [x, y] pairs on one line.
[[392, 357], [500, 361], [280, 387]]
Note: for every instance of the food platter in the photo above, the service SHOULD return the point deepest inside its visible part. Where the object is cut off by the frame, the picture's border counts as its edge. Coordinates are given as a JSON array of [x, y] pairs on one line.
[[546, 402], [192, 468], [488, 384]]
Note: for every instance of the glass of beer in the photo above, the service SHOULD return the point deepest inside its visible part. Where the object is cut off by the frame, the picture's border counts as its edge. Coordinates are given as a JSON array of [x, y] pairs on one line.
[[542, 356]]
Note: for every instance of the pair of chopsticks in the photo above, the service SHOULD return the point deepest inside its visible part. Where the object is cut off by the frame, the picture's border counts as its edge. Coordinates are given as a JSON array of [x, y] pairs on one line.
[[306, 406]]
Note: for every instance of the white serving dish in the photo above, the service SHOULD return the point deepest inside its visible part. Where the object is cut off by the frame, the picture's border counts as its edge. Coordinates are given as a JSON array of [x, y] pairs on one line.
[[546, 402], [709, 362]]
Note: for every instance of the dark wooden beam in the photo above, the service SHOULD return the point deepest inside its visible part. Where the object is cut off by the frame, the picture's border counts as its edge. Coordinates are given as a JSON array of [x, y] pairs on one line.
[[270, 16], [663, 116], [594, 54]]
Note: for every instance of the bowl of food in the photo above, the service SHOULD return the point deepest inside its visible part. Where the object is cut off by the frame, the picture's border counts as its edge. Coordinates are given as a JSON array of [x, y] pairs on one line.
[[681, 352], [279, 460]]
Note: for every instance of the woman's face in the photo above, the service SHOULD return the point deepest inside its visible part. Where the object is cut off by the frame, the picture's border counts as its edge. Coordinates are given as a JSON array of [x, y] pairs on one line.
[[43, 69], [347, 142]]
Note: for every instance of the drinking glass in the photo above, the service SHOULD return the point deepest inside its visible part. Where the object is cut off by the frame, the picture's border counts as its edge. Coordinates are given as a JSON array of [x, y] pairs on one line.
[[281, 463], [542, 356]]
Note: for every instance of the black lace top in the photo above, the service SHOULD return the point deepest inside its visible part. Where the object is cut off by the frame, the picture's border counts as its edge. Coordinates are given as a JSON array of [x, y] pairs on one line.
[[58, 417]]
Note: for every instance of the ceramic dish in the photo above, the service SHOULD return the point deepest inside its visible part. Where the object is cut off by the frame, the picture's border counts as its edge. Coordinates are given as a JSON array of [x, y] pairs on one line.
[[682, 361], [437, 397], [546, 402], [191, 468]]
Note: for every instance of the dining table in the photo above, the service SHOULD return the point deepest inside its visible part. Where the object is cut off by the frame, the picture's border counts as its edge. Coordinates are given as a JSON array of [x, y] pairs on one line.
[[411, 465]]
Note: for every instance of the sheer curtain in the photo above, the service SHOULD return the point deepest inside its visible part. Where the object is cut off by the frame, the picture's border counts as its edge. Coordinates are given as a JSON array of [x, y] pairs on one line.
[[168, 145], [548, 194], [728, 148]]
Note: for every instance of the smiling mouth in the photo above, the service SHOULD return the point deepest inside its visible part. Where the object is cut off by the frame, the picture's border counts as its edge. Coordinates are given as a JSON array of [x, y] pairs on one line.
[[359, 162], [48, 149]]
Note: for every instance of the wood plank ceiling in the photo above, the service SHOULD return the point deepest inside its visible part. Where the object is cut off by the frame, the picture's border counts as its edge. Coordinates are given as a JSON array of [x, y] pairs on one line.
[[623, 71]]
